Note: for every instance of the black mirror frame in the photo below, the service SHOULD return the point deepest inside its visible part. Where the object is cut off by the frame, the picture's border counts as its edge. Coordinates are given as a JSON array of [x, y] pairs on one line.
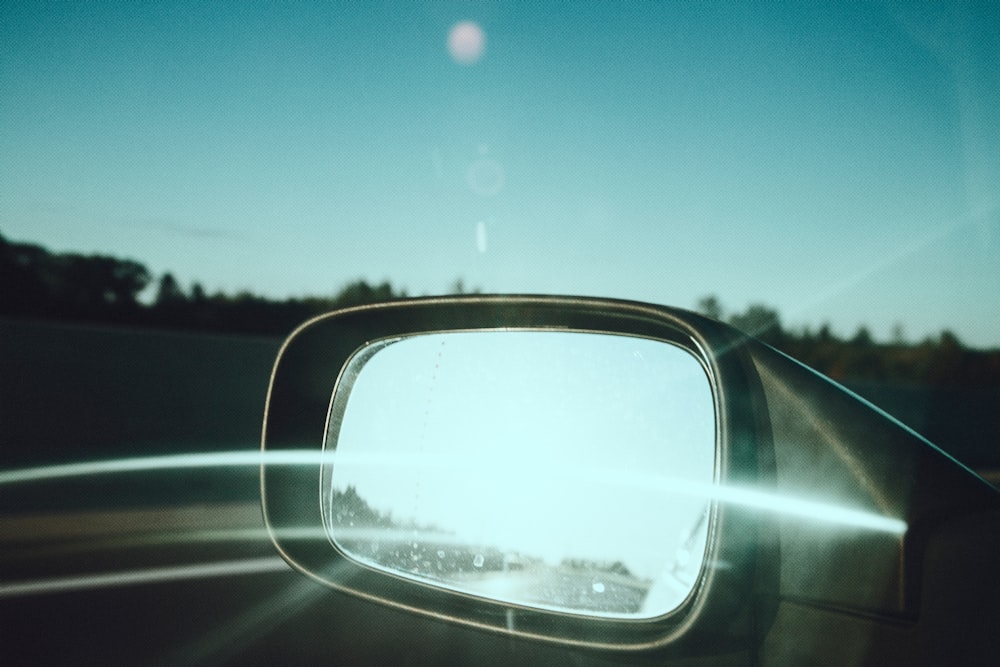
[[718, 613]]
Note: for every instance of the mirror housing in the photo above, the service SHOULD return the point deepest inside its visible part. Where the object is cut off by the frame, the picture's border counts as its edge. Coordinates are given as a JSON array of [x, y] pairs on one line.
[[818, 498]]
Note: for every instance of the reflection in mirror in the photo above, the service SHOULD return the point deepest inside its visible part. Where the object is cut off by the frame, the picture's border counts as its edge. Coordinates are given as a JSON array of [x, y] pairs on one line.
[[547, 469]]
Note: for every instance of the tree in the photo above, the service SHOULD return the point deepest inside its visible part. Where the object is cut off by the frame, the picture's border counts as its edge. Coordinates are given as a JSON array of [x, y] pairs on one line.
[[198, 295], [94, 284], [898, 334], [863, 337], [949, 341], [760, 321], [360, 293], [23, 269], [709, 306], [169, 292]]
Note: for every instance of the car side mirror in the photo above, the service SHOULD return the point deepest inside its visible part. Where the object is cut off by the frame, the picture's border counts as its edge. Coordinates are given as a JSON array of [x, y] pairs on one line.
[[598, 473]]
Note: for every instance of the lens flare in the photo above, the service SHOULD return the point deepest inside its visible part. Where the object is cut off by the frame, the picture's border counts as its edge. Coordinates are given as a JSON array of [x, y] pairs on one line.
[[466, 42], [481, 237]]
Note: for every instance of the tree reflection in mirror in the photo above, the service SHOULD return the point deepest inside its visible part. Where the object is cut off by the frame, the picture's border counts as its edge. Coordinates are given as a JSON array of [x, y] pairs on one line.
[[555, 470]]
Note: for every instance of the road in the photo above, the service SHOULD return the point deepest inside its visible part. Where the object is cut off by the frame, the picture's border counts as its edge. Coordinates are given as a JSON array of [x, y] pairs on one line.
[[196, 584]]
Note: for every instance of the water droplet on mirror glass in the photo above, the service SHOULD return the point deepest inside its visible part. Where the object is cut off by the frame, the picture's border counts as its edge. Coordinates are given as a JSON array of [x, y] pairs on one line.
[[478, 560]]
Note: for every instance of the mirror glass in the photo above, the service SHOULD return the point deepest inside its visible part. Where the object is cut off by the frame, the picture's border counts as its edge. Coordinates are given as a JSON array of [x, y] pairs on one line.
[[549, 469]]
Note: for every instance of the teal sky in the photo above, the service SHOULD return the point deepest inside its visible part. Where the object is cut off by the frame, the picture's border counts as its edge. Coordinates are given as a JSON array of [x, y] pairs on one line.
[[839, 162]]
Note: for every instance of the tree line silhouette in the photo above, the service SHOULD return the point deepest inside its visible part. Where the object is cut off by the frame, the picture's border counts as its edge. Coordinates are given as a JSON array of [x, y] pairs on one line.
[[38, 284], [939, 361]]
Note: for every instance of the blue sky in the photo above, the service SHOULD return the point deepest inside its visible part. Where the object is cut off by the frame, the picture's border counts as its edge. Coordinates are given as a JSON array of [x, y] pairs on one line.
[[837, 162]]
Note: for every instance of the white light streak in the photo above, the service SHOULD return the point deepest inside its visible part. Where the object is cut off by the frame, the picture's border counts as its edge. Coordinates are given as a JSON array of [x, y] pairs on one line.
[[592, 476], [764, 500], [251, 458], [146, 576]]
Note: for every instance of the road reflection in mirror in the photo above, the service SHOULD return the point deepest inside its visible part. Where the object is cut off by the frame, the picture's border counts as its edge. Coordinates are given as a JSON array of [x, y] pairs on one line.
[[516, 465]]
